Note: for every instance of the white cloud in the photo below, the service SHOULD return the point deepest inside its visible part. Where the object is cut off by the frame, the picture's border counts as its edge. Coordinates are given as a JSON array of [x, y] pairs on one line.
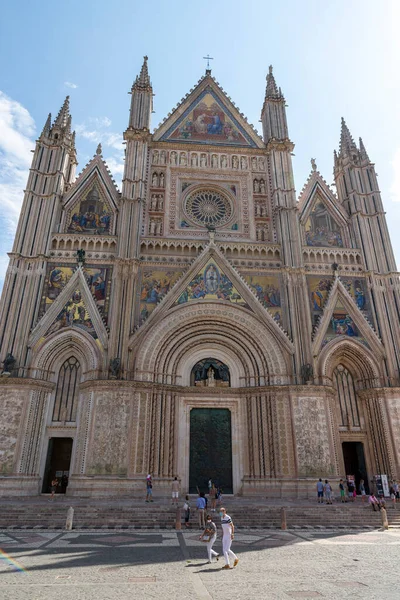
[[100, 121], [71, 85], [395, 187], [17, 129], [97, 134]]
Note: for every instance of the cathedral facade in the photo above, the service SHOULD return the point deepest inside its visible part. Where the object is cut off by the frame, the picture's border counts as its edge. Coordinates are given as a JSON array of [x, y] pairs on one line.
[[203, 322]]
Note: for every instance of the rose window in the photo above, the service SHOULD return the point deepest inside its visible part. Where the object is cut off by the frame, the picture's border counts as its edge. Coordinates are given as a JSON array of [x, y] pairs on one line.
[[208, 207]]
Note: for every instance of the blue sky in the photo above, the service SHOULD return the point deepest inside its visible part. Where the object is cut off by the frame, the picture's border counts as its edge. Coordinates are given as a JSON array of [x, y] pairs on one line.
[[331, 60]]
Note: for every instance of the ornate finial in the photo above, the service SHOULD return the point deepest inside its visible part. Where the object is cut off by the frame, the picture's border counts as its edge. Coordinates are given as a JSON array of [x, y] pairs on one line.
[[272, 89], [313, 164], [270, 69], [335, 269], [143, 79], [98, 150], [347, 145], [62, 118]]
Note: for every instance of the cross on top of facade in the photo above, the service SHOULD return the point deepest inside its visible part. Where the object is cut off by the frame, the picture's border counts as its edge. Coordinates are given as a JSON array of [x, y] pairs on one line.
[[208, 58]]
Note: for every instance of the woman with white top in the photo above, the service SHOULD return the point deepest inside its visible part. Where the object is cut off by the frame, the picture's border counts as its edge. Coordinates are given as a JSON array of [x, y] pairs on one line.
[[209, 535]]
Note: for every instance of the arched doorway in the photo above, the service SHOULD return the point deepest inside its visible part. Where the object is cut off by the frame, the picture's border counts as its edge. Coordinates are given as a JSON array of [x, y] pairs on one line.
[[351, 426]]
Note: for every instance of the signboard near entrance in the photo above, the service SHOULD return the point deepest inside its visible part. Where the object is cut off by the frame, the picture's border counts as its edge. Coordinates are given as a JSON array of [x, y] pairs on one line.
[[385, 485]]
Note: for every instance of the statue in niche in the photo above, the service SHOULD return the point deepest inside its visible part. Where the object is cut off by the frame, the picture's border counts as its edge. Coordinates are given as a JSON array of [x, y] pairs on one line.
[[154, 180], [203, 160], [155, 157], [210, 377], [80, 256], [115, 368], [163, 157], [210, 370], [243, 162], [262, 186], [254, 163], [162, 179], [307, 373], [194, 160], [182, 159], [256, 186], [261, 164], [224, 162], [214, 161], [8, 364], [235, 162], [160, 203], [173, 158], [153, 203]]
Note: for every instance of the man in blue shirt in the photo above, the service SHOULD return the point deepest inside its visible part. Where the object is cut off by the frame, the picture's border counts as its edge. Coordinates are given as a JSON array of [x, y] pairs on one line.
[[201, 506]]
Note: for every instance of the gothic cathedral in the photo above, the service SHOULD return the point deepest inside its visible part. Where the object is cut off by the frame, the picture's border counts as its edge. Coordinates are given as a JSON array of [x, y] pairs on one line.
[[203, 322]]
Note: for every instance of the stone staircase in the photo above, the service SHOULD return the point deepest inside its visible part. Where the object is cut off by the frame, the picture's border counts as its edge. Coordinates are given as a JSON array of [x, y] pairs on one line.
[[40, 513]]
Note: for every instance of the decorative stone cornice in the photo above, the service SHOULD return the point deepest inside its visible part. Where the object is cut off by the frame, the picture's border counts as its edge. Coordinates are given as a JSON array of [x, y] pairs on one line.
[[27, 382], [148, 387]]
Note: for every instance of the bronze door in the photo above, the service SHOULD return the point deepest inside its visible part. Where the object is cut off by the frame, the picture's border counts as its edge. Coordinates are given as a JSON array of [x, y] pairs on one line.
[[210, 449]]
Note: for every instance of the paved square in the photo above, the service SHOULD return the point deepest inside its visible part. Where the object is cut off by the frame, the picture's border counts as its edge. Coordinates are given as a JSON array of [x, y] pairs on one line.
[[96, 565]]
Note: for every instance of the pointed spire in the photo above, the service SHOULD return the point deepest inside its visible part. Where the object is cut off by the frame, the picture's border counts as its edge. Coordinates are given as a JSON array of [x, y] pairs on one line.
[[47, 127], [272, 89], [347, 144], [63, 116], [143, 80], [363, 152]]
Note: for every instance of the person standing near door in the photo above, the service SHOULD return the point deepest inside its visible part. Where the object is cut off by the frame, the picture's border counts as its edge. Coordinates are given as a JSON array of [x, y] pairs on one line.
[[175, 491], [228, 532], [149, 488], [54, 484]]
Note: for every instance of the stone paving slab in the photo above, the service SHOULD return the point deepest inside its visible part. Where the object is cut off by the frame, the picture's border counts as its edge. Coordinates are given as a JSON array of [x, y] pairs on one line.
[[98, 565]]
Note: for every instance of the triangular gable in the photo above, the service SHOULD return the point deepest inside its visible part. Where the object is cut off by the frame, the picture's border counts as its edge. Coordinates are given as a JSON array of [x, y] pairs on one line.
[[323, 218], [211, 283], [207, 116], [94, 179], [75, 307], [343, 319], [220, 282]]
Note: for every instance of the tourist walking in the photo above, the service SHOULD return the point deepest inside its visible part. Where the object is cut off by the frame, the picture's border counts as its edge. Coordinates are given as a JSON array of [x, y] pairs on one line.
[[362, 491], [342, 493], [175, 491], [209, 535], [213, 495], [396, 490], [328, 492], [228, 531], [149, 488], [186, 508], [201, 506], [320, 492], [54, 485], [350, 490]]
